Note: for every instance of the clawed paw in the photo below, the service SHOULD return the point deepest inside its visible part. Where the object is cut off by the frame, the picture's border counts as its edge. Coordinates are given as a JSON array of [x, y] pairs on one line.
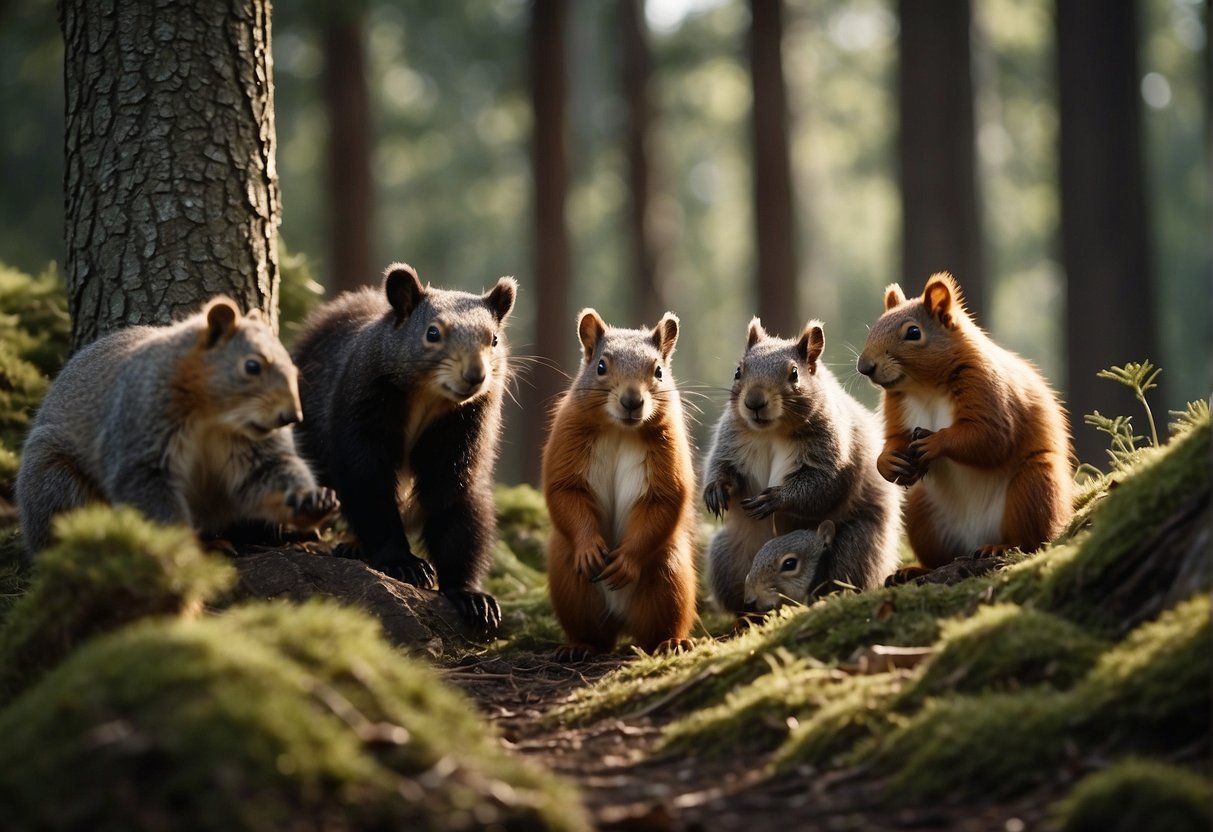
[[479, 609], [410, 569], [590, 561], [673, 646], [568, 653], [716, 497], [905, 575], [764, 504], [617, 572], [312, 507]]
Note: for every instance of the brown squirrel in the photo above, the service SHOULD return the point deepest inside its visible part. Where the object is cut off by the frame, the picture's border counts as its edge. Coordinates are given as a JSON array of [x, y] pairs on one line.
[[972, 428], [618, 478], [187, 423], [792, 450]]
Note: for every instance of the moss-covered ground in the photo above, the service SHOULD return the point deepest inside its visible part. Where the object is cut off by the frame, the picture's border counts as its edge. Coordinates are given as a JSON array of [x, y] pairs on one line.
[[1072, 685]]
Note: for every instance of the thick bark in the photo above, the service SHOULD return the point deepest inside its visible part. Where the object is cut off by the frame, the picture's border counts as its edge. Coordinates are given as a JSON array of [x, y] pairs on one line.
[[647, 303], [171, 188], [349, 153], [774, 217], [1104, 225], [941, 227], [553, 321]]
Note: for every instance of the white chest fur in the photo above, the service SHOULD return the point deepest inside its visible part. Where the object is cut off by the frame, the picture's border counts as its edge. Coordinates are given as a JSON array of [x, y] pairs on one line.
[[969, 503], [765, 462], [618, 475]]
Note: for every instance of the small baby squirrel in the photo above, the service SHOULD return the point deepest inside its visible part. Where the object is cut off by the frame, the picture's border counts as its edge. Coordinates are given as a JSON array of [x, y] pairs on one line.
[[618, 477], [795, 449], [184, 422], [402, 392], [972, 428], [787, 568]]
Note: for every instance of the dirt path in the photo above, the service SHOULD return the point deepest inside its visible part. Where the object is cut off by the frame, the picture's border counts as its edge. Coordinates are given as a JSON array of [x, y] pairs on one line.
[[626, 786]]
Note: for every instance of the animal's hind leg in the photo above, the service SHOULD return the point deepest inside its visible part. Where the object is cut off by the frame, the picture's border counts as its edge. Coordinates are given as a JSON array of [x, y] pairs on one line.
[[728, 566], [662, 608], [579, 605], [49, 484], [1037, 506]]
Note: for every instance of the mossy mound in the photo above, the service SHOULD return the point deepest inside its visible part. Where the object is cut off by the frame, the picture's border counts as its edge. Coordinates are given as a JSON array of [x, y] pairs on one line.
[[522, 523], [109, 568], [269, 717], [1005, 647], [1149, 693], [1136, 794]]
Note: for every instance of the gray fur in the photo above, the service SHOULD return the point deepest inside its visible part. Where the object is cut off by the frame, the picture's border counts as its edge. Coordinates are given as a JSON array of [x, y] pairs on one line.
[[827, 473], [120, 425]]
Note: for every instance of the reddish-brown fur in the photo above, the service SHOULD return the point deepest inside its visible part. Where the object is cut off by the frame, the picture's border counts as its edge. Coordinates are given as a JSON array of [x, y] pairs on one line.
[[1006, 427], [654, 559]]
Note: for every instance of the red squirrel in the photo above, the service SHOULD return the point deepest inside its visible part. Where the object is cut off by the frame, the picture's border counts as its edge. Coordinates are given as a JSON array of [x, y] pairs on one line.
[[973, 429], [618, 478]]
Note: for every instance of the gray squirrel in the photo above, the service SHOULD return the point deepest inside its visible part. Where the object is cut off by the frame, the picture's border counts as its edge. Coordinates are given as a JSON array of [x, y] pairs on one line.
[[185, 422], [786, 567], [791, 450]]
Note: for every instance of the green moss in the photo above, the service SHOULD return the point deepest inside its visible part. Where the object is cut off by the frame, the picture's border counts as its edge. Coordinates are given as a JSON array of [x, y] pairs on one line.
[[267, 717], [1150, 692], [857, 713], [33, 317], [109, 568], [1136, 794], [22, 386], [298, 292], [522, 523], [1005, 647]]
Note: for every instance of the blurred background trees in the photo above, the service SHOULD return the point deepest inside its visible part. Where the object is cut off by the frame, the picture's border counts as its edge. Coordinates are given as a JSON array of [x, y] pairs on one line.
[[451, 173]]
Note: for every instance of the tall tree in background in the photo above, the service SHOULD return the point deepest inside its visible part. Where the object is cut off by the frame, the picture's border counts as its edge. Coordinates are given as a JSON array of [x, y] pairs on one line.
[[549, 94], [351, 195], [773, 213], [171, 191], [647, 249], [941, 226], [1104, 225]]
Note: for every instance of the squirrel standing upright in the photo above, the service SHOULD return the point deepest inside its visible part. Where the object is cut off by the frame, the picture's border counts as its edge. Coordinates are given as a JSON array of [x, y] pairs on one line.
[[972, 428], [184, 422], [795, 450], [618, 477], [402, 392]]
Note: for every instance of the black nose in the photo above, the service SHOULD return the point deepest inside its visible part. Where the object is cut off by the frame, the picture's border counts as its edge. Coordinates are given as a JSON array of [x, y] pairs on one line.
[[865, 365], [755, 401], [631, 400], [289, 417], [750, 606], [473, 375]]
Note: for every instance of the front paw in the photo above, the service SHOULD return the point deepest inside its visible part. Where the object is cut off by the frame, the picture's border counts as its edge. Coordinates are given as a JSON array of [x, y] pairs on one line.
[[479, 609], [926, 446], [765, 503], [589, 560], [620, 570], [309, 508], [408, 568], [716, 497]]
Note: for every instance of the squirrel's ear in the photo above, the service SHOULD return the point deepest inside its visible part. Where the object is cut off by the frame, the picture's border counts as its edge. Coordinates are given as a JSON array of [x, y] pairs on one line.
[[665, 335], [893, 296], [812, 342], [755, 333], [403, 289], [825, 533], [590, 329], [222, 315], [500, 299], [942, 299]]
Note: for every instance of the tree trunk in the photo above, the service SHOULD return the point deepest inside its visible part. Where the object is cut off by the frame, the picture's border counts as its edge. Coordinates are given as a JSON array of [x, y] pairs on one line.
[[1104, 226], [647, 303], [773, 213], [941, 225], [349, 151], [171, 189], [553, 320]]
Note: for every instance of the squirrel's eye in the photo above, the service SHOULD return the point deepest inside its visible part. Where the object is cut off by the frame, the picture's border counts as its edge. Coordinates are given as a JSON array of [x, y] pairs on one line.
[[737, 375], [252, 367], [794, 376], [602, 368], [433, 335], [788, 565], [494, 340], [657, 374], [913, 334]]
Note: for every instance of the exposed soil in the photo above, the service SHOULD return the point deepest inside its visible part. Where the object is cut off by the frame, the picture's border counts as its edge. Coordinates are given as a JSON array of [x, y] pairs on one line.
[[626, 786]]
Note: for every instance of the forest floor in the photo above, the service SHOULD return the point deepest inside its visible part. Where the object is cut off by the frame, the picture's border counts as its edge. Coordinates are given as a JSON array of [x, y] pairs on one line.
[[626, 784]]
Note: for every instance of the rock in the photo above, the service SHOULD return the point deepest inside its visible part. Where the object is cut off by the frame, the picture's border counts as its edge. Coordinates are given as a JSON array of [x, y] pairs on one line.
[[419, 620]]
